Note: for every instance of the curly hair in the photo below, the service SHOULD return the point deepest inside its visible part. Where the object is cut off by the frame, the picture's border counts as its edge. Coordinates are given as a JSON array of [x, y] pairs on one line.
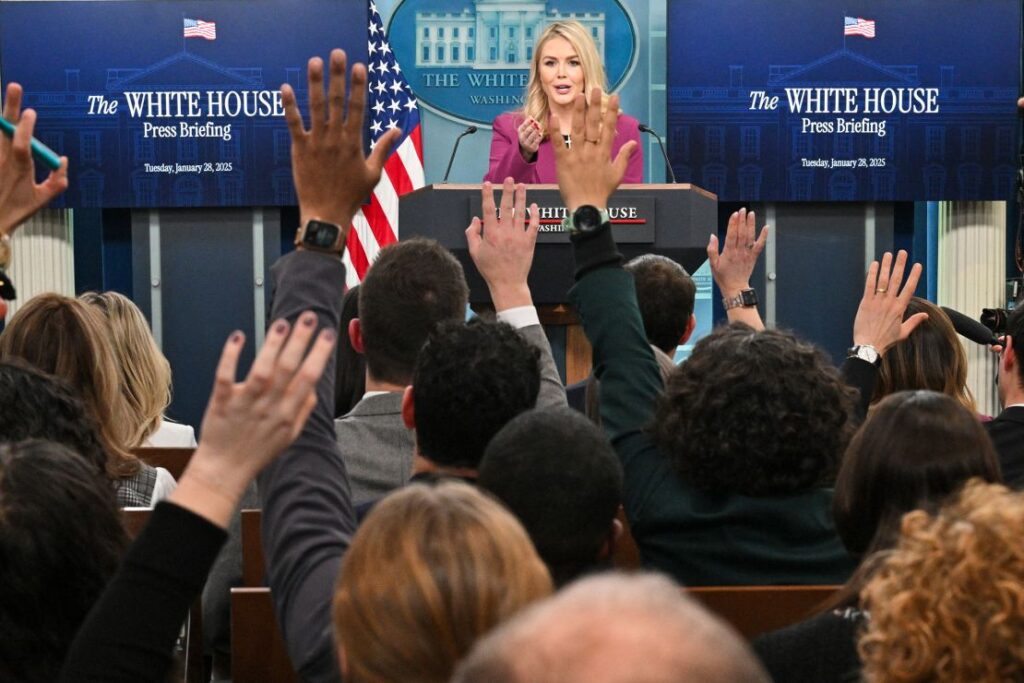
[[469, 381], [948, 603], [754, 413], [930, 358]]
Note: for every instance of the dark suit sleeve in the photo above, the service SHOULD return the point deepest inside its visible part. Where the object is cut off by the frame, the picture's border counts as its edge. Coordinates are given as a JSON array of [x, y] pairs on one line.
[[308, 519], [130, 632]]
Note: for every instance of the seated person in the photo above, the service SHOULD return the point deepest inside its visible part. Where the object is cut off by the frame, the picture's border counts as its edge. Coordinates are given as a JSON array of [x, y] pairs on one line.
[[613, 629], [1007, 429], [945, 604], [932, 357], [145, 373], [731, 486], [68, 338], [558, 474], [665, 293], [431, 569], [411, 288], [61, 540], [916, 449]]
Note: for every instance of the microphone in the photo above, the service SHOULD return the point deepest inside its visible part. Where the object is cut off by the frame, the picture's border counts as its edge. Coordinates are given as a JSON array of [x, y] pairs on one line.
[[970, 328], [468, 131], [644, 128]]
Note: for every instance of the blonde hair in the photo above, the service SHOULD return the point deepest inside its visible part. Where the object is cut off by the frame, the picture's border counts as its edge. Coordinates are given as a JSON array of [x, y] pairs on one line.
[[65, 337], [430, 571], [536, 104], [948, 603], [145, 372]]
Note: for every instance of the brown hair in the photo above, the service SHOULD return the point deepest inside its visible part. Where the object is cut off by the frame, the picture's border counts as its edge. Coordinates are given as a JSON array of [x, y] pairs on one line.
[[67, 338], [930, 358], [948, 603], [430, 570], [144, 371]]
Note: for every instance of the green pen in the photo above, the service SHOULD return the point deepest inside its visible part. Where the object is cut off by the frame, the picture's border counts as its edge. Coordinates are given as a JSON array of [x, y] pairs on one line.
[[39, 150]]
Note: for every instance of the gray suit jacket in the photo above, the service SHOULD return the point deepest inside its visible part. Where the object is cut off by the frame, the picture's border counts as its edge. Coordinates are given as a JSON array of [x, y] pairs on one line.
[[552, 391], [376, 446]]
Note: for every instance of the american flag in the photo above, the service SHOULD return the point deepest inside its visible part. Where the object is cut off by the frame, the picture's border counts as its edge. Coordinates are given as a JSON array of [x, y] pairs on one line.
[[859, 27], [391, 105], [197, 28]]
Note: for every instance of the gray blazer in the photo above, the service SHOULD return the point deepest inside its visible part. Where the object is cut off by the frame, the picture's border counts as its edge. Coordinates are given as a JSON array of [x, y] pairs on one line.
[[376, 446]]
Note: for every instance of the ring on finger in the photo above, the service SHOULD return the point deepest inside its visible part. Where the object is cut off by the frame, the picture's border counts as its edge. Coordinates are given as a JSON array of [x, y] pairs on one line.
[[881, 290]]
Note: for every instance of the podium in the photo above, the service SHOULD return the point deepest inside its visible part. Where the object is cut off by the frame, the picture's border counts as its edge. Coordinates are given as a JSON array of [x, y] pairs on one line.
[[672, 220]]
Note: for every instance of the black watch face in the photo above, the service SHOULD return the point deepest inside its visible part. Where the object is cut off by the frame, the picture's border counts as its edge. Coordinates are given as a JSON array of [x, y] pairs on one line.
[[320, 234], [749, 297], [586, 218]]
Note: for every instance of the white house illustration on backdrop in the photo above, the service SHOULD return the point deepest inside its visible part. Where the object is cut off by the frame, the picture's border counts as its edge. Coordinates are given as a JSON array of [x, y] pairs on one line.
[[496, 34]]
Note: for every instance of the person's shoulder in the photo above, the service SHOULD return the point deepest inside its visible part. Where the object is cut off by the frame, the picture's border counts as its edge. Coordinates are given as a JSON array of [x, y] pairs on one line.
[[627, 123], [510, 120]]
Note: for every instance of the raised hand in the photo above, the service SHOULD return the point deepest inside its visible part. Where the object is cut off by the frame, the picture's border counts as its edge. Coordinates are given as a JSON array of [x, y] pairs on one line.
[[529, 137], [249, 423], [332, 175], [502, 247], [586, 172], [879, 322], [733, 267], [20, 194]]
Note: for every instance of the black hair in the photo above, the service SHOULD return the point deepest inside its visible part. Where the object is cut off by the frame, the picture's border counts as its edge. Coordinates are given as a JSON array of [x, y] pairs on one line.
[[1015, 330], [754, 413], [470, 380], [559, 475], [665, 294], [350, 369], [411, 287], [61, 540], [40, 406]]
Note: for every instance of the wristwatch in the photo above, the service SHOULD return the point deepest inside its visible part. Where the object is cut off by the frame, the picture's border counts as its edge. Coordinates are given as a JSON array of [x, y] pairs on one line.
[[585, 220], [864, 352], [745, 299], [318, 235]]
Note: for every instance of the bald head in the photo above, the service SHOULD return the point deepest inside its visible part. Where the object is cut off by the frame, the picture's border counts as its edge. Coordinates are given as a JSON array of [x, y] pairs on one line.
[[613, 629]]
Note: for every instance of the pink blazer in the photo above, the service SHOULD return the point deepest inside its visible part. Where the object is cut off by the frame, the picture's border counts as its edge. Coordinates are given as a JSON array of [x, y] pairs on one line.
[[507, 161]]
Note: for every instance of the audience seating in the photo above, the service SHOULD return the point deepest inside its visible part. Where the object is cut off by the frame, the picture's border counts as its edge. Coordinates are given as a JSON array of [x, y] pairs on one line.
[[753, 610], [253, 572], [258, 651], [174, 460], [193, 665]]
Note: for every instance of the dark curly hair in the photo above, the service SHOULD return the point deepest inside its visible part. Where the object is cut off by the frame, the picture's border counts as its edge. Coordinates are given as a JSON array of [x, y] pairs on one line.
[[41, 406], [469, 381], [754, 413], [61, 540]]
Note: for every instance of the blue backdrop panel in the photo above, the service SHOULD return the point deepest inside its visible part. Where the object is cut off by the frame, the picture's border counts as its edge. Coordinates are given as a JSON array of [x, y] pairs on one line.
[[150, 118], [773, 101]]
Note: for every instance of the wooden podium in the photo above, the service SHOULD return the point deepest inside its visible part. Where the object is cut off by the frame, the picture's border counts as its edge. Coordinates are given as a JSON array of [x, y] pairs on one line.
[[672, 220]]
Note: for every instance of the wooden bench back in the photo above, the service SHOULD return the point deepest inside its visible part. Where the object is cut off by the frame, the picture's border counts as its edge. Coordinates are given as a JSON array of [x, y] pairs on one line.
[[174, 460], [753, 610], [258, 652]]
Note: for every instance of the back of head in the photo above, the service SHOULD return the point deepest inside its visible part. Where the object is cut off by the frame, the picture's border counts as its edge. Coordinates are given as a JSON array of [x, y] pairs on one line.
[[60, 543], [1015, 330], [613, 629], [145, 373], [754, 413], [470, 380], [559, 475], [67, 338], [946, 604], [412, 287], [930, 358], [665, 293], [350, 368], [40, 406], [915, 450], [430, 571]]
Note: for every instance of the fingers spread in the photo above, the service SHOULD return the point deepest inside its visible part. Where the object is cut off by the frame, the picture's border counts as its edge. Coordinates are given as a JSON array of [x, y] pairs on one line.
[[473, 234], [713, 251], [227, 366], [883, 274], [356, 101], [487, 202], [534, 227], [317, 101], [12, 103], [626, 152], [871, 280], [336, 88], [20, 145], [292, 116], [263, 366], [508, 189], [911, 323], [375, 162], [301, 385]]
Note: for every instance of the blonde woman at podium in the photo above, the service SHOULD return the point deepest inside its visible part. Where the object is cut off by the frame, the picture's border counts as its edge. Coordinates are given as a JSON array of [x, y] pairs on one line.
[[565, 64]]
